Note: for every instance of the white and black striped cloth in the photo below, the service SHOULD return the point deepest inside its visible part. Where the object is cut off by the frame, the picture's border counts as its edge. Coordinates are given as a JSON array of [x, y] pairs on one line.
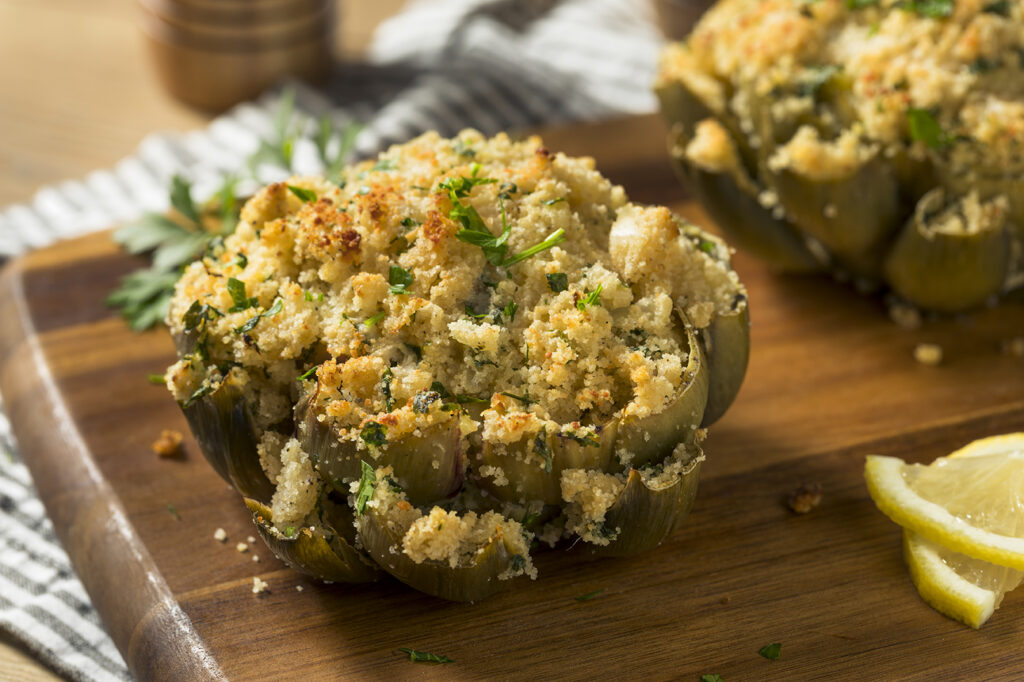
[[440, 64]]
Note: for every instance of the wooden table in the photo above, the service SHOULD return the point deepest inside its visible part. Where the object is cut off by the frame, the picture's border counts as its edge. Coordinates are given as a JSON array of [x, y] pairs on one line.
[[77, 94]]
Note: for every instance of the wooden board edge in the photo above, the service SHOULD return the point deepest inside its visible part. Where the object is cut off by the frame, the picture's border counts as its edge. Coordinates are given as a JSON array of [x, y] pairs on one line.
[[156, 638]]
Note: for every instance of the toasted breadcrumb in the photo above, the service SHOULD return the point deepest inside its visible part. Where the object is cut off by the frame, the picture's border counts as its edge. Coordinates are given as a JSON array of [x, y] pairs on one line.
[[805, 498], [241, 547], [168, 444], [259, 586], [928, 354], [220, 535]]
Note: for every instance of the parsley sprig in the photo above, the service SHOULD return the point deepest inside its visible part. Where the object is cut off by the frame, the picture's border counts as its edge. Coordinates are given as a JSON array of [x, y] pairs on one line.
[[195, 229], [474, 231]]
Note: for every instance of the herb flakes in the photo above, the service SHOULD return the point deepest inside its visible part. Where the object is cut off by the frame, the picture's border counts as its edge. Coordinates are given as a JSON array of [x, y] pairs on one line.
[[925, 128], [367, 484], [374, 434], [425, 657], [557, 281], [590, 595], [307, 195], [400, 280], [771, 651]]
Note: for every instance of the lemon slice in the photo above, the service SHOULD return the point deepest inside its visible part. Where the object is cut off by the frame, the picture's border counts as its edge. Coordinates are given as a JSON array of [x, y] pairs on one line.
[[964, 589], [971, 502]]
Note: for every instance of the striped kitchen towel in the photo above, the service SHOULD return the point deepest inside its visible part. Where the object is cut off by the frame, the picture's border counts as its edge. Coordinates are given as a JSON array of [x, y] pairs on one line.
[[440, 64]]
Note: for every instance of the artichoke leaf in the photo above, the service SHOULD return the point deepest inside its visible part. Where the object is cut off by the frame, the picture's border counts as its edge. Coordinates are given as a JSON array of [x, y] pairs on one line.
[[490, 569], [951, 256], [412, 458], [726, 343], [321, 552], [224, 429], [732, 203], [533, 466], [652, 505]]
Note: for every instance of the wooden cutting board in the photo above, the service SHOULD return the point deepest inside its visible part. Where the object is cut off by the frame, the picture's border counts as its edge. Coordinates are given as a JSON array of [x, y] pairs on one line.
[[831, 379]]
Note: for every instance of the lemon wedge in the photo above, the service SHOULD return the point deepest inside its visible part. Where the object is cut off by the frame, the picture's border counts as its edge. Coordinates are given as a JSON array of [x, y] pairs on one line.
[[971, 502], [973, 498], [964, 589]]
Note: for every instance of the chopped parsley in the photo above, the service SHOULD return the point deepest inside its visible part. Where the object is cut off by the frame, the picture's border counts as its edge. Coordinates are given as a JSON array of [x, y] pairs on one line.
[[400, 280], [156, 379], [385, 387], [510, 311], [205, 389], [507, 189], [524, 399], [425, 657], [251, 323], [173, 512], [1000, 7], [771, 651], [385, 165], [587, 439], [374, 434], [197, 315], [518, 562], [474, 231], [860, 4], [816, 78], [541, 447], [589, 595], [552, 202], [370, 321], [409, 223], [438, 387], [712, 678], [367, 484], [241, 260], [308, 373], [289, 531], [467, 399], [307, 195], [936, 9], [558, 281], [925, 128], [236, 288], [463, 149], [593, 298]]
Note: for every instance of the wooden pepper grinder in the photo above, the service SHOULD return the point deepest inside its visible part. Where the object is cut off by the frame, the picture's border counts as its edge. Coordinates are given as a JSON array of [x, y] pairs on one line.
[[212, 54]]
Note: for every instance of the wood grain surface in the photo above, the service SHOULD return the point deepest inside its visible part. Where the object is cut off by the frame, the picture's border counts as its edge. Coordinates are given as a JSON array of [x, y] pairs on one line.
[[831, 379]]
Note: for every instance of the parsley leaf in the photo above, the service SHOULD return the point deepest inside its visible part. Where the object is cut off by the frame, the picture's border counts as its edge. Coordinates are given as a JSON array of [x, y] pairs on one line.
[[589, 595], [156, 379], [510, 311], [552, 240], [308, 373], [712, 678], [367, 484], [374, 434], [860, 4], [385, 387], [924, 128], [374, 319], [237, 290], [771, 651], [541, 447], [173, 512], [400, 280], [591, 299], [552, 202], [306, 195], [251, 323], [558, 281], [524, 399], [936, 9], [181, 198], [425, 657]]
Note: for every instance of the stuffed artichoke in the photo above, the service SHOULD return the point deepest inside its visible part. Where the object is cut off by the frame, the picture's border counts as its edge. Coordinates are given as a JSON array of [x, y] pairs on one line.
[[881, 139], [465, 348]]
